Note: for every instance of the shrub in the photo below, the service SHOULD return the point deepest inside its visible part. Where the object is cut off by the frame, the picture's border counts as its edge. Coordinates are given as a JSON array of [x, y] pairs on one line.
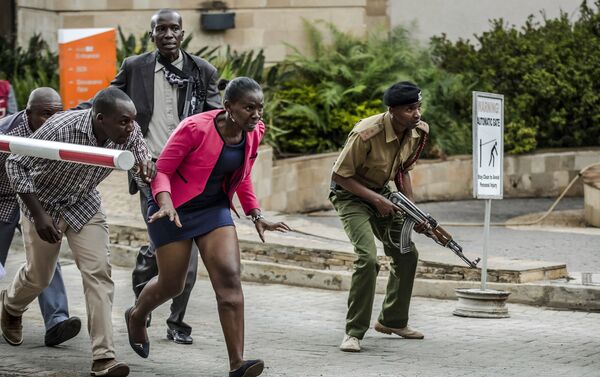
[[320, 95], [29, 68], [518, 138], [547, 71], [306, 124]]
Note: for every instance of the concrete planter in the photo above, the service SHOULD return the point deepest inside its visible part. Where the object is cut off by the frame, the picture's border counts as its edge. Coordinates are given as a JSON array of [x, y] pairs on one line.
[[477, 303]]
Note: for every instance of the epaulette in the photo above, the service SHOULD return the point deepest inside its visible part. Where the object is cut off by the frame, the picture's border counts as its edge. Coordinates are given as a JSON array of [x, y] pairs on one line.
[[368, 127], [368, 133]]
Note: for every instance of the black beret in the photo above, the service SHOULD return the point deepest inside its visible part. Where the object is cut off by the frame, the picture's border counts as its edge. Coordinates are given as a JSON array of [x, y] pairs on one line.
[[402, 93]]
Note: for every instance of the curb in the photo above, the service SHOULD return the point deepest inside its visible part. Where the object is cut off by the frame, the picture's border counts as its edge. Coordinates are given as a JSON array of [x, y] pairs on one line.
[[549, 294], [563, 296]]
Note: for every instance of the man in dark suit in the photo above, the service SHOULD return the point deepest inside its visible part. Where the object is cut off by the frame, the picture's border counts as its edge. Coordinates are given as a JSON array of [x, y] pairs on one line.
[[166, 86]]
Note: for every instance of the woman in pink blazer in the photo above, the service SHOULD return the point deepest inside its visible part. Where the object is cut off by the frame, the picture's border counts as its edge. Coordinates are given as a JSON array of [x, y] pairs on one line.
[[207, 159]]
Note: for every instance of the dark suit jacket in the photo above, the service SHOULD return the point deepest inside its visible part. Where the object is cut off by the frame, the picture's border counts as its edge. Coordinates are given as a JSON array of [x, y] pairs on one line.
[[136, 78], [10, 122]]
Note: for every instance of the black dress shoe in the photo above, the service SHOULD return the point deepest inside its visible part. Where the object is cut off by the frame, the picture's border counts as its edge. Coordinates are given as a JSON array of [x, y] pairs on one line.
[[142, 349], [250, 368], [179, 337], [62, 332]]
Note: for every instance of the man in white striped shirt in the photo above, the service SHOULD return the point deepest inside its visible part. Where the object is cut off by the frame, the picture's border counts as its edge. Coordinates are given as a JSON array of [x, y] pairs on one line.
[[60, 198]]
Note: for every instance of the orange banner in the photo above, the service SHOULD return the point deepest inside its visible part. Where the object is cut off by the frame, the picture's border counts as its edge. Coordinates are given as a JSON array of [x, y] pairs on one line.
[[87, 60]]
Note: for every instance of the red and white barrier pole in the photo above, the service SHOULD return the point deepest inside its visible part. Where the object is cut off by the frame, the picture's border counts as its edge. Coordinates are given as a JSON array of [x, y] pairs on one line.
[[54, 150]]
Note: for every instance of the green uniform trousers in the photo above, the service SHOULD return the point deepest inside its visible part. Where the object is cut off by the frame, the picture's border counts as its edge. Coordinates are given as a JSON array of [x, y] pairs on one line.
[[362, 224]]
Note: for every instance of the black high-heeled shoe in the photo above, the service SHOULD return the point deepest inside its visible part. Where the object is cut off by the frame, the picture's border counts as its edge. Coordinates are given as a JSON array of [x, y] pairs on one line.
[[250, 368], [142, 349]]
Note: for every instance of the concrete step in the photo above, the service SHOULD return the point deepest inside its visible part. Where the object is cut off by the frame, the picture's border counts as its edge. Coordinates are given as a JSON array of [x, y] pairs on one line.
[[559, 293], [530, 282], [434, 263], [331, 269]]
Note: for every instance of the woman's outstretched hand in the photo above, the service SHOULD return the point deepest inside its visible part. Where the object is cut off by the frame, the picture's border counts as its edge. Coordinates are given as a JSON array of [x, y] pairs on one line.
[[262, 225], [166, 211]]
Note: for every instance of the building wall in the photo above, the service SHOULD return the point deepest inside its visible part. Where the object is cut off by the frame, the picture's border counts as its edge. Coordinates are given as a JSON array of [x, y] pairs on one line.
[[268, 24], [301, 184], [463, 18]]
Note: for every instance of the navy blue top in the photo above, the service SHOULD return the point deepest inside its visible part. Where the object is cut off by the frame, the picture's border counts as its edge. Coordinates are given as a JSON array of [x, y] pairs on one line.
[[230, 159], [205, 212]]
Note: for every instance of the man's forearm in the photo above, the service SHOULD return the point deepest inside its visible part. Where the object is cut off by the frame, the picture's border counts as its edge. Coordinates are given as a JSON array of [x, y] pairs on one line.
[[407, 186], [33, 204]]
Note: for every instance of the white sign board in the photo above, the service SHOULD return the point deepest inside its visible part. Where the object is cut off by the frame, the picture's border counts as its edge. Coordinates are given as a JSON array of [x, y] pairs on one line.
[[488, 145]]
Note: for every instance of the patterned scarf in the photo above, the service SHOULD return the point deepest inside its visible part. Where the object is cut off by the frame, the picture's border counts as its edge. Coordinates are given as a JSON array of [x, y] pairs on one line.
[[411, 161], [195, 93]]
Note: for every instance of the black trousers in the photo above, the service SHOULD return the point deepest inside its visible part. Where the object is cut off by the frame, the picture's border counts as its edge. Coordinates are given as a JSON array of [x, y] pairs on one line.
[[146, 268]]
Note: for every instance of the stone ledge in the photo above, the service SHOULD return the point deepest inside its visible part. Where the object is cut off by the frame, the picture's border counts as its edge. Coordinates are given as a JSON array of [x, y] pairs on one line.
[[564, 296], [127, 238], [556, 295]]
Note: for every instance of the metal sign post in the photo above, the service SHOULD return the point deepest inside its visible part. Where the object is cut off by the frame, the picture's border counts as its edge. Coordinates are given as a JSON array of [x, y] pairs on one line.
[[488, 173], [486, 240]]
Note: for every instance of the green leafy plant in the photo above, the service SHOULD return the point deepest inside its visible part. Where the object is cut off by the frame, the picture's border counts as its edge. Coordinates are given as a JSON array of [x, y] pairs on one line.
[[318, 96], [28, 68], [131, 45], [247, 63], [518, 138], [547, 71]]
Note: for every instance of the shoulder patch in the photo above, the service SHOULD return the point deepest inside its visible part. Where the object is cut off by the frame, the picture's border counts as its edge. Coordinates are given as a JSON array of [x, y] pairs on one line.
[[368, 133], [369, 127]]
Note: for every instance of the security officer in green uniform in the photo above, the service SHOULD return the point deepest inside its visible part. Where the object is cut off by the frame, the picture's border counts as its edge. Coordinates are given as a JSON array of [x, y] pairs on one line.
[[379, 149]]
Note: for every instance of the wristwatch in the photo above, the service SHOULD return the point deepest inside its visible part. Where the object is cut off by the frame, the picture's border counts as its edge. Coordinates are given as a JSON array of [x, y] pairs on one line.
[[255, 218]]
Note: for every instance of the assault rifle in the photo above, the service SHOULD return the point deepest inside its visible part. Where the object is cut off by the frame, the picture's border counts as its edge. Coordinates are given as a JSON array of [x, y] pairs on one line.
[[416, 216]]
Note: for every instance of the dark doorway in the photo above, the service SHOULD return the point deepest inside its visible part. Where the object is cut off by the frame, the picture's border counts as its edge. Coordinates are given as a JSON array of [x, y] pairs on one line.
[[8, 20]]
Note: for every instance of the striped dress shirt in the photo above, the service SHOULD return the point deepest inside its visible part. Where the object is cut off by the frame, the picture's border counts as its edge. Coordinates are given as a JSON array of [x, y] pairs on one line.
[[65, 189]]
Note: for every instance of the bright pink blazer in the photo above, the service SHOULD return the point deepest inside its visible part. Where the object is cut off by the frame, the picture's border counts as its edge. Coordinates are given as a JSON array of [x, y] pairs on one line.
[[185, 164]]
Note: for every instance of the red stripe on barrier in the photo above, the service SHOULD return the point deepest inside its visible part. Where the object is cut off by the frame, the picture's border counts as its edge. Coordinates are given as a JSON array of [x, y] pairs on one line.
[[87, 158], [4, 146]]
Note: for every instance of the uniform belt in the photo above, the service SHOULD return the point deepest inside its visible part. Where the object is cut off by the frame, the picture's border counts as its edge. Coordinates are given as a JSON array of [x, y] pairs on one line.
[[334, 186]]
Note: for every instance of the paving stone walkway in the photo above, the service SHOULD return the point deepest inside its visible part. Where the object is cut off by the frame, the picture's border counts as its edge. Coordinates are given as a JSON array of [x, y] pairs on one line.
[[297, 331]]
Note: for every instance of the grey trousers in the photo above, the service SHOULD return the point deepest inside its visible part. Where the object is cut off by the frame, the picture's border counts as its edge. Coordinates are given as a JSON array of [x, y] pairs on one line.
[[146, 268], [53, 300]]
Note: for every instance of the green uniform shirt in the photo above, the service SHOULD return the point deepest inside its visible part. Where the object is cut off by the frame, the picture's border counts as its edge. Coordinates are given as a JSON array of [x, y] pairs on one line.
[[373, 154]]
